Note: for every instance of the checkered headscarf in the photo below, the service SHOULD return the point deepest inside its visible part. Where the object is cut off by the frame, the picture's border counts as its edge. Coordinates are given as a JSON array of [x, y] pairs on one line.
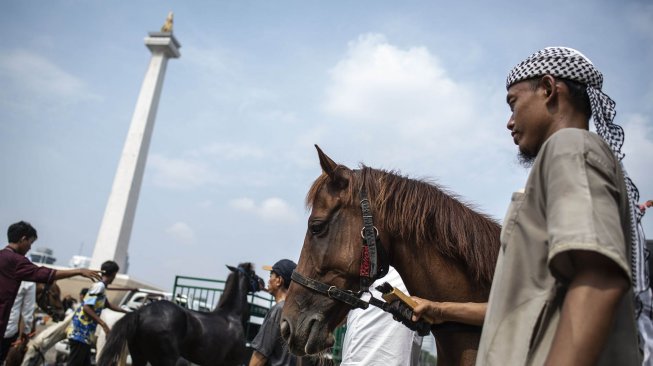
[[567, 63]]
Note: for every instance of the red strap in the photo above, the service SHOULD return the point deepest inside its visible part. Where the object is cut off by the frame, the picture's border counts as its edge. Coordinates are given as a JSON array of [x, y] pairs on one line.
[[365, 262]]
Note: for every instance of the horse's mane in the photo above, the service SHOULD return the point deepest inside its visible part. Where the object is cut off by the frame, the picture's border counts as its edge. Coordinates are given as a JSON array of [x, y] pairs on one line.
[[426, 214], [231, 286]]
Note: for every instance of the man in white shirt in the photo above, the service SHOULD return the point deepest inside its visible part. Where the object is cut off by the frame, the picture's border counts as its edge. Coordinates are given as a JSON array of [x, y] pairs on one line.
[[23, 305], [373, 337]]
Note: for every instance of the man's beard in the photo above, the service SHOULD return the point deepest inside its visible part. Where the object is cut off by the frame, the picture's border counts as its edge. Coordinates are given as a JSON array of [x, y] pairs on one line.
[[526, 159]]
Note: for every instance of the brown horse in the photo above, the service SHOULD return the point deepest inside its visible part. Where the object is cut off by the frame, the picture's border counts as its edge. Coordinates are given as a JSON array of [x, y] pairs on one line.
[[48, 298], [443, 250]]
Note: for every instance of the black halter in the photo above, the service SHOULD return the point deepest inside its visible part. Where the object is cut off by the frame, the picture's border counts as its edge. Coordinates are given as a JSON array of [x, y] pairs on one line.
[[374, 264]]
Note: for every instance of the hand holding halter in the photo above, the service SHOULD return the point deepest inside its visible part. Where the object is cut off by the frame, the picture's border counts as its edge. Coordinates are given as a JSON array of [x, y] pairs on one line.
[[401, 307]]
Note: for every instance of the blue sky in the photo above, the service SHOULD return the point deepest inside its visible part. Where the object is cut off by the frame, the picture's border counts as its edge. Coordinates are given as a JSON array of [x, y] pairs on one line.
[[413, 86]]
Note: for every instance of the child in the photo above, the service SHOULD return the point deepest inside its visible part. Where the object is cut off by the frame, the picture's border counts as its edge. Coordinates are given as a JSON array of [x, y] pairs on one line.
[[87, 317]]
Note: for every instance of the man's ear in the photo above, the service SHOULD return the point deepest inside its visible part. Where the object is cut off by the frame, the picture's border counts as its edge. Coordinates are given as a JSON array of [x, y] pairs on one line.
[[549, 86]]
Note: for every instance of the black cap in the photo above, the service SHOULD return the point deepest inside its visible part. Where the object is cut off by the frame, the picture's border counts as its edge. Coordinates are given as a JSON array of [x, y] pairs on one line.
[[284, 269]]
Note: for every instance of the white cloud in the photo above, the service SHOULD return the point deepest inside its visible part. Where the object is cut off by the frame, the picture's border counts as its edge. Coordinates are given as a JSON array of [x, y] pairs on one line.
[[404, 100], [379, 81], [181, 232], [34, 75], [180, 173], [270, 209]]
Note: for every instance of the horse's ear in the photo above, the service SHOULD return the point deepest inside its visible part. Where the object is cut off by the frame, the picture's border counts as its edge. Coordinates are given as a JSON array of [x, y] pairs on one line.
[[329, 167], [232, 268]]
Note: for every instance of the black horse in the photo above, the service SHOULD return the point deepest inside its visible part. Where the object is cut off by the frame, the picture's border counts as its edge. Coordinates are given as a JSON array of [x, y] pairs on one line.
[[162, 332]]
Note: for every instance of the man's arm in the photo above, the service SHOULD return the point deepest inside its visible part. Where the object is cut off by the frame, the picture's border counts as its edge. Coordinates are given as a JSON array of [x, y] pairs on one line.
[[472, 313], [257, 359], [588, 310], [84, 272], [115, 308], [93, 315]]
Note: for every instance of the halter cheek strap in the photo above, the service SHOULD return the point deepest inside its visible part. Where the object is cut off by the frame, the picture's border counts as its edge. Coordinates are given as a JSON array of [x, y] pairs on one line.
[[374, 262]]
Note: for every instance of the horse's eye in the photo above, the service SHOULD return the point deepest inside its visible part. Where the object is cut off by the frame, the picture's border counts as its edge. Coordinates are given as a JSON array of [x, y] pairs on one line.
[[317, 227]]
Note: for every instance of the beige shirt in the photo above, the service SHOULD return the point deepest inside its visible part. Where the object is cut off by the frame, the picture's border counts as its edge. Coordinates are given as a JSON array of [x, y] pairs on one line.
[[575, 199]]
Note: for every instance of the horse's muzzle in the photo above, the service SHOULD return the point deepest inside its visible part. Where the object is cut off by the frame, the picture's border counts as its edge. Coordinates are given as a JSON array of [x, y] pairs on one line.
[[311, 336]]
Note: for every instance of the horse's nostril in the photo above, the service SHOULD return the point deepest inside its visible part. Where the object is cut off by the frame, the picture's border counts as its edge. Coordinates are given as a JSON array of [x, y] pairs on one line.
[[285, 329]]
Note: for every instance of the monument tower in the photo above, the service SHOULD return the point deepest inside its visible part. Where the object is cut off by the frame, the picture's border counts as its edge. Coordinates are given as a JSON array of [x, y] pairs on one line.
[[113, 238]]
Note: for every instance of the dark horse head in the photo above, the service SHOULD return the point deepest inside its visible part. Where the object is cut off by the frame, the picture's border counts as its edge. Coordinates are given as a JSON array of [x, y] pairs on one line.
[[442, 249], [48, 298], [247, 282]]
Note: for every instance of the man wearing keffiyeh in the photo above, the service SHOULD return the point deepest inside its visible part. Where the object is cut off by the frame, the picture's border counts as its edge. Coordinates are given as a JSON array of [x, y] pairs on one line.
[[571, 284]]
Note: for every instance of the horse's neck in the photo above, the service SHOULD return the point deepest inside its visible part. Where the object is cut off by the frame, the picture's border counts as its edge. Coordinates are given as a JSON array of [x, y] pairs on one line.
[[427, 274], [439, 258], [233, 300]]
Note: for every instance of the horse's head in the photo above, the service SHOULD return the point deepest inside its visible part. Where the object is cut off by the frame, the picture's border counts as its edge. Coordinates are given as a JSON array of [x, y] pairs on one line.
[[48, 298], [331, 255], [247, 278]]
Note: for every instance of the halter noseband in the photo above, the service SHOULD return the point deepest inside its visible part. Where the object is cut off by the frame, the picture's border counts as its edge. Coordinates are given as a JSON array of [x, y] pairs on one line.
[[374, 264]]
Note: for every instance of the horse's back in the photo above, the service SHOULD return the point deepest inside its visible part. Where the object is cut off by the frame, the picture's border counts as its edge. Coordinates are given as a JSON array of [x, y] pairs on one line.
[[162, 318]]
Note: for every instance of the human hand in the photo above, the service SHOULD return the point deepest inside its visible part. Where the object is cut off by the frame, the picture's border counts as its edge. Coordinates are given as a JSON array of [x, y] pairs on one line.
[[106, 328], [91, 274], [402, 313], [429, 310]]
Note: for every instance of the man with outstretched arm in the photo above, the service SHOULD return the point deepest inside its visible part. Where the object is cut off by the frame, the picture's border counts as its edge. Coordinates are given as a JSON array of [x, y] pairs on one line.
[[14, 268]]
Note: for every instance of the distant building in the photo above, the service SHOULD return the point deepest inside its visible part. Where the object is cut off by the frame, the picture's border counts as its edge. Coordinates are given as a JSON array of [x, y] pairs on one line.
[[42, 256], [79, 261]]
